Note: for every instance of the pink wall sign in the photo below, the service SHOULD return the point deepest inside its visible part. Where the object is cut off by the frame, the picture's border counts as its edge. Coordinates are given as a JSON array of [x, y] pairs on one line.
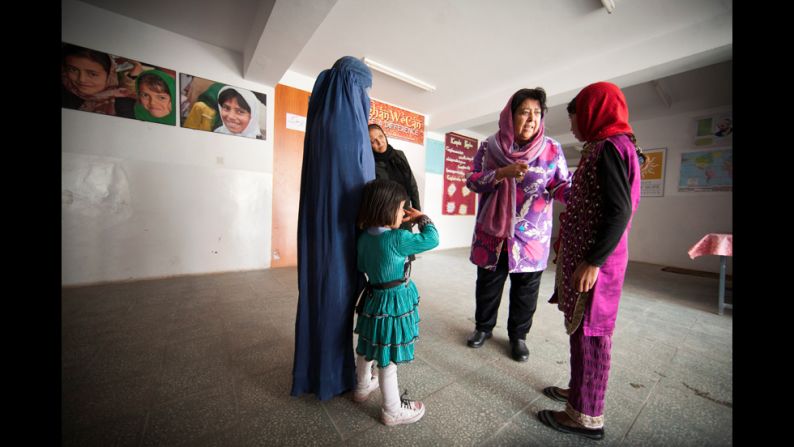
[[459, 154]]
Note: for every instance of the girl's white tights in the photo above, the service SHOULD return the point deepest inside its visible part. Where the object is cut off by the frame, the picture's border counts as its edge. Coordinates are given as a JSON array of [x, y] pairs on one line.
[[388, 382], [389, 388], [363, 371]]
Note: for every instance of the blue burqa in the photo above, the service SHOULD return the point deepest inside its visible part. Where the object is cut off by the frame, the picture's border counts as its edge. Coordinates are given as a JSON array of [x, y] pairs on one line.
[[337, 162]]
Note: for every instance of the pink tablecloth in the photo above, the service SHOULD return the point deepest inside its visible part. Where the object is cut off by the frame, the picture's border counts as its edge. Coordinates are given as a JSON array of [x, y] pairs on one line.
[[713, 244]]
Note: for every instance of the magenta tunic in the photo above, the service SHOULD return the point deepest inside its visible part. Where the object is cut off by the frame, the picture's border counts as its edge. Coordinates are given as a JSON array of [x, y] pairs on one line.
[[600, 312]]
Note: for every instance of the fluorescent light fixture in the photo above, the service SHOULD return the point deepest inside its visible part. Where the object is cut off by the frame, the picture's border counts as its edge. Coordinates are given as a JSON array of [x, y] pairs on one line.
[[397, 74]]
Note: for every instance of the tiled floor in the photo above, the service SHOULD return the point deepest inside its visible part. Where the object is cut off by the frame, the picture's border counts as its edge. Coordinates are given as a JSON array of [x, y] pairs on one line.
[[207, 360]]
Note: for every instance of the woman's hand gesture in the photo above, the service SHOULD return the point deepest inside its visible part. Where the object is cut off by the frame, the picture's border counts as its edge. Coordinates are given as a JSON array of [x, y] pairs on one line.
[[515, 170]]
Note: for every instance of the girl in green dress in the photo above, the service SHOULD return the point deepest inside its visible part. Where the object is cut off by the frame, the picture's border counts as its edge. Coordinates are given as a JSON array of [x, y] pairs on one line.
[[388, 320]]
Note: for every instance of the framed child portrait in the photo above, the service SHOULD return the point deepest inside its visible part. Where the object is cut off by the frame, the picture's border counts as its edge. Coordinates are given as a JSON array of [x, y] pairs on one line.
[[98, 82], [217, 107]]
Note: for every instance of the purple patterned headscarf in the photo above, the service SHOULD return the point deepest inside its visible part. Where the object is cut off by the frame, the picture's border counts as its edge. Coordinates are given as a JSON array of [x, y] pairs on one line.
[[499, 207]]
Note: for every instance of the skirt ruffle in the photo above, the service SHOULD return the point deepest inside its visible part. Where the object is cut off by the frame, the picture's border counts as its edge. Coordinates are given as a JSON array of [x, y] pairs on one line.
[[388, 326]]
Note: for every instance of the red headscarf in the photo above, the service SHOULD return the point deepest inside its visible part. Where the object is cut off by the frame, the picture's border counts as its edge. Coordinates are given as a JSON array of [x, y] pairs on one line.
[[601, 111]]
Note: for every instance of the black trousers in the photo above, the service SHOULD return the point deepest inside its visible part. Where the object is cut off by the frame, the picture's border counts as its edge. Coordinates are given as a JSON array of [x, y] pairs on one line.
[[523, 298]]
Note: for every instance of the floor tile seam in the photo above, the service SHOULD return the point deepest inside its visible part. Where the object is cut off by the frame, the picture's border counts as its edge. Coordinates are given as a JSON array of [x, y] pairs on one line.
[[333, 422], [642, 407]]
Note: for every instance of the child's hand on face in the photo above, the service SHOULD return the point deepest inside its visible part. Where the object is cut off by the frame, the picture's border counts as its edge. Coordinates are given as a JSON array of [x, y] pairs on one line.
[[411, 214]]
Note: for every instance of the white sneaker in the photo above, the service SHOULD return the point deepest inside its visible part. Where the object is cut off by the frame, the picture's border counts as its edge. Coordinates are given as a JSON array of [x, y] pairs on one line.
[[362, 394], [409, 412]]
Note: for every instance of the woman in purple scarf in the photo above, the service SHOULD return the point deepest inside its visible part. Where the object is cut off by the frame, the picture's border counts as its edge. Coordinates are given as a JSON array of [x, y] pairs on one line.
[[594, 253], [518, 172]]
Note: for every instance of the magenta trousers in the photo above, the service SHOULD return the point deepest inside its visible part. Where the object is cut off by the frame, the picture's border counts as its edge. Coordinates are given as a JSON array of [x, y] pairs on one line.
[[590, 361]]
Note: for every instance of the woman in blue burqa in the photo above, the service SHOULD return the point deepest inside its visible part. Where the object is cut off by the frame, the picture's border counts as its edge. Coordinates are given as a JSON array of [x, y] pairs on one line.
[[337, 162]]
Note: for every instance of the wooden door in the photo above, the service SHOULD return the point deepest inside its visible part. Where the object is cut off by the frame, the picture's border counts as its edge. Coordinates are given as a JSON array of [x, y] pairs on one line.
[[287, 162]]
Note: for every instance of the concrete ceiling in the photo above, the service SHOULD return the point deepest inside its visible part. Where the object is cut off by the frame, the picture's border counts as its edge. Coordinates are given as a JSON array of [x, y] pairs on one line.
[[702, 88], [476, 53], [226, 24]]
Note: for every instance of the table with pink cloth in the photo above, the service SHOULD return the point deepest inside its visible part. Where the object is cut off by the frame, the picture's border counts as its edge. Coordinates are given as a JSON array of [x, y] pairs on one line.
[[716, 244]]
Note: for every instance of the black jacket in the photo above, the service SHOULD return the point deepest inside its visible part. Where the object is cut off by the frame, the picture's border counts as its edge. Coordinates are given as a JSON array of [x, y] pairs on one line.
[[393, 165]]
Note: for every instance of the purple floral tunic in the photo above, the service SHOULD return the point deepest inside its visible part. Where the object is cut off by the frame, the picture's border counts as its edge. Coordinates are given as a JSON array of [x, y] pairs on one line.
[[548, 178]]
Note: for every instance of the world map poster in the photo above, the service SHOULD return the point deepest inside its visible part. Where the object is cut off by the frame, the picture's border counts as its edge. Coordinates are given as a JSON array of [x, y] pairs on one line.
[[706, 171]]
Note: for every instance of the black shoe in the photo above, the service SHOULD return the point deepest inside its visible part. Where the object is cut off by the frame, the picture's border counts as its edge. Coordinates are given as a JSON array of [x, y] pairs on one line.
[[477, 338], [553, 392], [518, 350], [547, 417]]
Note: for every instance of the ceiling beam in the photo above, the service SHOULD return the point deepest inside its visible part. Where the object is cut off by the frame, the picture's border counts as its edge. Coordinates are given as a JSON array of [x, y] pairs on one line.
[[662, 92], [280, 31]]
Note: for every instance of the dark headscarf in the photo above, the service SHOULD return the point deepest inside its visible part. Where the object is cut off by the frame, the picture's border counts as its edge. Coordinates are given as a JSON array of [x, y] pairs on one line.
[[337, 162], [397, 167]]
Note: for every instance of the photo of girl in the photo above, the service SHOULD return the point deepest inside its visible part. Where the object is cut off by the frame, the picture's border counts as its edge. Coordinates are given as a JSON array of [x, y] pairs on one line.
[[98, 82], [155, 97], [239, 113], [90, 81], [216, 107]]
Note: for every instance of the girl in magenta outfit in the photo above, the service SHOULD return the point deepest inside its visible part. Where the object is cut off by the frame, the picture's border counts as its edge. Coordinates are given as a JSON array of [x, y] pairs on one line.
[[517, 172], [594, 252]]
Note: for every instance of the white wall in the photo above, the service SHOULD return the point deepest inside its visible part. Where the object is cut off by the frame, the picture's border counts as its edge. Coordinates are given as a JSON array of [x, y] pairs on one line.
[[147, 200], [415, 153], [297, 80], [664, 228], [454, 231]]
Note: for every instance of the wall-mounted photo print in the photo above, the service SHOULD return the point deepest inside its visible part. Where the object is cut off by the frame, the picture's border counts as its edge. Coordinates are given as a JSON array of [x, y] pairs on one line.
[[714, 130], [97, 82], [652, 172], [217, 107]]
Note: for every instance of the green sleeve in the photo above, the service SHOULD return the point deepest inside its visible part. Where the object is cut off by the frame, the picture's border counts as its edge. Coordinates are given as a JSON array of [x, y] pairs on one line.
[[410, 243]]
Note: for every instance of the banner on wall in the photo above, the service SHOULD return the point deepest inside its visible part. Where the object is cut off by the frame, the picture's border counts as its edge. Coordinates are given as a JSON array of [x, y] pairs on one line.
[[398, 123], [706, 171], [652, 172], [217, 107], [459, 154], [98, 82]]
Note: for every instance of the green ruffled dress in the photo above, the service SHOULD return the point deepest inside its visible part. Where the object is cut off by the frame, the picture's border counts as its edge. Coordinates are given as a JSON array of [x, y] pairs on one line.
[[388, 326]]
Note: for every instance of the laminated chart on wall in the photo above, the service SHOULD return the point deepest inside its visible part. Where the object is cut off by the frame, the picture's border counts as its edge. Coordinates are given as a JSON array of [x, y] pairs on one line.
[[459, 152]]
